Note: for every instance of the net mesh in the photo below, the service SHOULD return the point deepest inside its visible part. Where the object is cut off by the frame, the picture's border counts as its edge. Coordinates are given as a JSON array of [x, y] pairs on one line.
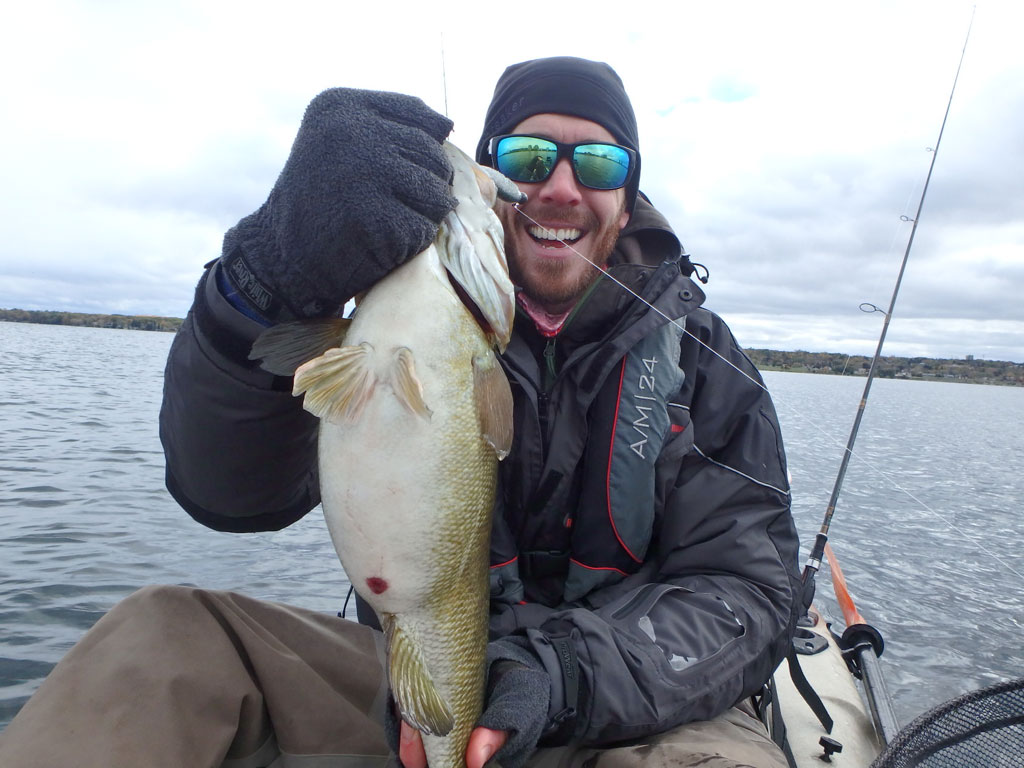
[[981, 728]]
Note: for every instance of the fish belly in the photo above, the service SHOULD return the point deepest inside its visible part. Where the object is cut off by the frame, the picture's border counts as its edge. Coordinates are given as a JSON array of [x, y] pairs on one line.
[[408, 502]]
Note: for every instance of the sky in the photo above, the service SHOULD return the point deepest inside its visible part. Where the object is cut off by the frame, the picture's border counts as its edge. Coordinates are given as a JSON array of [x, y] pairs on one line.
[[783, 141]]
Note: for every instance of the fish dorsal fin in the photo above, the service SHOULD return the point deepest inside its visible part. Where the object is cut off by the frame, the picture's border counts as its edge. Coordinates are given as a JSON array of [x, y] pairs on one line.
[[418, 699], [406, 384], [283, 348], [337, 384], [493, 403]]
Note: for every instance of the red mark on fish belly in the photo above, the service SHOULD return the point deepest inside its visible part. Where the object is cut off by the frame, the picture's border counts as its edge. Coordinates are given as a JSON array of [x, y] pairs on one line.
[[376, 584]]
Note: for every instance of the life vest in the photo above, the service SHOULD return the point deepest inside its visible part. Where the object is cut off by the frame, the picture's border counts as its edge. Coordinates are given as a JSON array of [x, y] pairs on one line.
[[600, 488]]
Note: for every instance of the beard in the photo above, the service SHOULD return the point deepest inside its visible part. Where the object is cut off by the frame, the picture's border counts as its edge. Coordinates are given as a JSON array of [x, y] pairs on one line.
[[558, 286]]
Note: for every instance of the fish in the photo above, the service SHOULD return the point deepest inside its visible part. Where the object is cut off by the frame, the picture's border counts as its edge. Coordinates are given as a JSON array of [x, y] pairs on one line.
[[415, 414]]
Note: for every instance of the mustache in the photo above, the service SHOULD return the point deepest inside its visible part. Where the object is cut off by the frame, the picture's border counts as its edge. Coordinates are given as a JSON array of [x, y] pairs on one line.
[[564, 216]]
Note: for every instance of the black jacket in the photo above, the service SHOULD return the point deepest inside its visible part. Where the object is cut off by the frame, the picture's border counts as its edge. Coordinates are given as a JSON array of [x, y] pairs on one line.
[[651, 528]]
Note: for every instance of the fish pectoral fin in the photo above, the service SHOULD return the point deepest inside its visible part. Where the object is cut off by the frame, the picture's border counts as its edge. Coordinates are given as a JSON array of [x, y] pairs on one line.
[[283, 348], [493, 403], [418, 699], [406, 384], [337, 384]]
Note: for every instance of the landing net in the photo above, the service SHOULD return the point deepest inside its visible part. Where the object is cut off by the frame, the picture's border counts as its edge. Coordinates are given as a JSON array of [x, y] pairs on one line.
[[983, 728]]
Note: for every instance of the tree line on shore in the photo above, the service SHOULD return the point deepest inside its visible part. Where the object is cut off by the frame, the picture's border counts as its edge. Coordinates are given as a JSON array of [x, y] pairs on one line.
[[967, 369], [129, 322], [836, 364]]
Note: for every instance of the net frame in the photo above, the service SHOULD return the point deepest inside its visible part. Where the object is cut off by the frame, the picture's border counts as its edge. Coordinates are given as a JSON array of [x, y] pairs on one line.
[[980, 728]]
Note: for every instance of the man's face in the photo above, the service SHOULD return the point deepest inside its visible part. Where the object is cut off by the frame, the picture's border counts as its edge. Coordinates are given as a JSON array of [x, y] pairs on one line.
[[590, 220]]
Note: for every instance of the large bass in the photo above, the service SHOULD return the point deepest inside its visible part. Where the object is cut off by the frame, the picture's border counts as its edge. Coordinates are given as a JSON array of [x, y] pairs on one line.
[[415, 414]]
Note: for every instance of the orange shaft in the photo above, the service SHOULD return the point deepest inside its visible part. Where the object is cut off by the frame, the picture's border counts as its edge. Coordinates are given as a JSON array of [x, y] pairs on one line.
[[850, 613]]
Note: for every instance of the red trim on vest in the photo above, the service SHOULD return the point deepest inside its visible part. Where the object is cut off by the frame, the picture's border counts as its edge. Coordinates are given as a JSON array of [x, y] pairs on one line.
[[507, 562], [608, 474], [596, 567]]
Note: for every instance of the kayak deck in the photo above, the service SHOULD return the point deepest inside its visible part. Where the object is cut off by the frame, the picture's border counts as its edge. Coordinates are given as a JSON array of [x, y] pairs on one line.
[[853, 728]]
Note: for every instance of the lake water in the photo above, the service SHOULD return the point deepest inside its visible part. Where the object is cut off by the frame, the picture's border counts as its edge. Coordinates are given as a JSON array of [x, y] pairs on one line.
[[927, 528]]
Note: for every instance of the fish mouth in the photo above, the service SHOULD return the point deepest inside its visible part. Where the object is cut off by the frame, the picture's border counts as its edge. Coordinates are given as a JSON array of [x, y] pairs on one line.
[[474, 264], [490, 302], [471, 247], [483, 319]]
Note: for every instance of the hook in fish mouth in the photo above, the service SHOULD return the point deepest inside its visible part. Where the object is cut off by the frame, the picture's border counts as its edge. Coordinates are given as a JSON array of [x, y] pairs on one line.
[[506, 188]]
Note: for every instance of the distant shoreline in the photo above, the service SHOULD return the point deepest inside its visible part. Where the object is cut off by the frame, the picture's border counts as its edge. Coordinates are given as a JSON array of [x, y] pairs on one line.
[[832, 363], [128, 322], [965, 370]]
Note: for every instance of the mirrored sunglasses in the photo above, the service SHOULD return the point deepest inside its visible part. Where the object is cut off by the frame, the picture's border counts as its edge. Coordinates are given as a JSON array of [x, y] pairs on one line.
[[531, 159]]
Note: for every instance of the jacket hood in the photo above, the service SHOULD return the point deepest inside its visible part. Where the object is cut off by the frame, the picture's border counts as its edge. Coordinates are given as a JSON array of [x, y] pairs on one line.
[[647, 238]]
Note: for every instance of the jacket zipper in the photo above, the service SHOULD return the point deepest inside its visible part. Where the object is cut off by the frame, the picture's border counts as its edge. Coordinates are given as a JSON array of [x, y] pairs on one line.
[[544, 396], [549, 365]]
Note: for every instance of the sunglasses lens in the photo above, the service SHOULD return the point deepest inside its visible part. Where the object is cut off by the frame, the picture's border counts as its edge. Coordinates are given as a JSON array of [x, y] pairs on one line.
[[524, 158], [601, 166]]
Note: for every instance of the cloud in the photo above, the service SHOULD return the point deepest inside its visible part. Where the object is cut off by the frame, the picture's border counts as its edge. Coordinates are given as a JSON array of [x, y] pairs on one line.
[[782, 142]]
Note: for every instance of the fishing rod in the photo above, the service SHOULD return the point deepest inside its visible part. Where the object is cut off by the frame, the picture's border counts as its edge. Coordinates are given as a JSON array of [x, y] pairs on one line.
[[864, 643], [814, 559], [444, 77], [862, 640]]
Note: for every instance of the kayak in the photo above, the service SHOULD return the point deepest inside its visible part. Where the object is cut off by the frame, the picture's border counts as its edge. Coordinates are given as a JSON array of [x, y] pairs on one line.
[[853, 740], [830, 705]]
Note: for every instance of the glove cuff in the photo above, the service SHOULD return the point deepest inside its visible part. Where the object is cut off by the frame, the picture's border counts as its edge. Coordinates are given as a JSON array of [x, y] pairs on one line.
[[555, 656], [513, 648], [249, 294], [560, 652], [252, 261]]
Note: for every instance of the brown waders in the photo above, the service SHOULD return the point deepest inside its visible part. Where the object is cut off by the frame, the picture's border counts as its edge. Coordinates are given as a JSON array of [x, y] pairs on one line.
[[175, 676]]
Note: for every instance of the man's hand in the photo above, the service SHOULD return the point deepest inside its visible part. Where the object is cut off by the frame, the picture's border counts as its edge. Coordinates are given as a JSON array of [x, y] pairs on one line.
[[483, 743], [364, 188], [514, 716]]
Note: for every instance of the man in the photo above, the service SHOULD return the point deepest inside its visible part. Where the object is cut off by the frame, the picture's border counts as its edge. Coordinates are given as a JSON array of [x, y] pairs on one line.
[[644, 574]]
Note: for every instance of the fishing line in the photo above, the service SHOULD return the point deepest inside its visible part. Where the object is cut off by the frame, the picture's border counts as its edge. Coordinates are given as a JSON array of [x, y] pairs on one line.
[[947, 521], [849, 453], [638, 296], [866, 462], [444, 77], [604, 273]]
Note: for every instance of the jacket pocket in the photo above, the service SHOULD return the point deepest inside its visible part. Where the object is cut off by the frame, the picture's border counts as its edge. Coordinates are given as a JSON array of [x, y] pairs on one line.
[[688, 627]]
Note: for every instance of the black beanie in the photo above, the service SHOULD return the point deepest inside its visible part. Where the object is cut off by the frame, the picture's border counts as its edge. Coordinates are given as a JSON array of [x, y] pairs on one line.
[[563, 85]]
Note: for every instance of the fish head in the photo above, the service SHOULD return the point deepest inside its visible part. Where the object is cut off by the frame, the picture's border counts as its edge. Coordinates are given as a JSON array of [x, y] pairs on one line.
[[471, 247]]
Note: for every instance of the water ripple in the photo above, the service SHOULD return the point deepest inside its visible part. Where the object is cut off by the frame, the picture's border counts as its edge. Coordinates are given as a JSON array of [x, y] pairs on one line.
[[86, 520]]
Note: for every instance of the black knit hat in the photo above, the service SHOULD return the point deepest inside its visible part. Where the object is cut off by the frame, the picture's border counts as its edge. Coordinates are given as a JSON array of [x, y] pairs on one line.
[[563, 85]]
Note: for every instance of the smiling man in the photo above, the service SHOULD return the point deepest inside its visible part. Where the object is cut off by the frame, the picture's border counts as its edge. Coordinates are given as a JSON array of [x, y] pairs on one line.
[[644, 575], [566, 224]]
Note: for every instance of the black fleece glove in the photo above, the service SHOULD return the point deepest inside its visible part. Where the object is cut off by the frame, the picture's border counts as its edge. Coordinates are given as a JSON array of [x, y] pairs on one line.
[[364, 189], [518, 693]]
